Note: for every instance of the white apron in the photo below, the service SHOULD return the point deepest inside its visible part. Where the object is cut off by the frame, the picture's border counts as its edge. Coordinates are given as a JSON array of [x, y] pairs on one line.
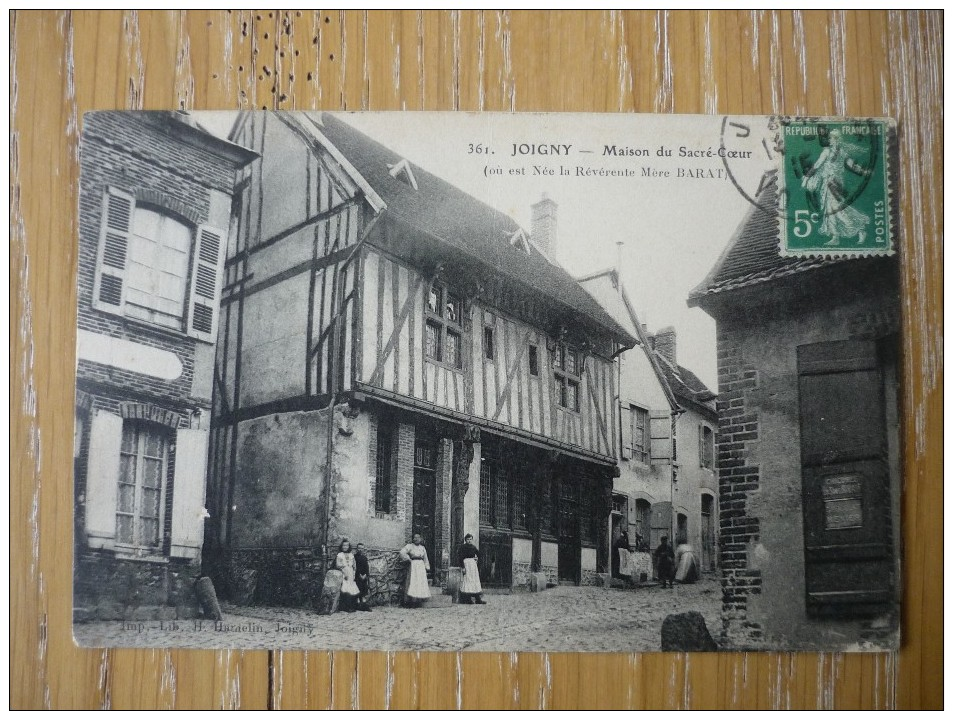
[[471, 577], [418, 586]]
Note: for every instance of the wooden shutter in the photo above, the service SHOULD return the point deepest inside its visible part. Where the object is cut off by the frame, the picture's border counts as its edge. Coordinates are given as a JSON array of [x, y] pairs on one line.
[[661, 518], [626, 431], [701, 445], [188, 494], [108, 288], [102, 476], [845, 477], [207, 267], [632, 517], [660, 434]]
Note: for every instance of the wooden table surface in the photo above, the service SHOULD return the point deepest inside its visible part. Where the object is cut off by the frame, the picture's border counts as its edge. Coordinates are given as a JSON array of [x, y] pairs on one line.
[[819, 63]]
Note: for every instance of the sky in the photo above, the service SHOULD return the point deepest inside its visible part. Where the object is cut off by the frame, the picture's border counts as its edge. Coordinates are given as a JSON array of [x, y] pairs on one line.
[[673, 223]]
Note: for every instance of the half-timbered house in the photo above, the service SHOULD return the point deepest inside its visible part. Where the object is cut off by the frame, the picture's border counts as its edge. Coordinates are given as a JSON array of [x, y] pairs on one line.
[[397, 357]]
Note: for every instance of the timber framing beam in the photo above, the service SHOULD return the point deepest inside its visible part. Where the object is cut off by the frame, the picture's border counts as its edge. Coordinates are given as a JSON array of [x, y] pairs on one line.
[[497, 428]]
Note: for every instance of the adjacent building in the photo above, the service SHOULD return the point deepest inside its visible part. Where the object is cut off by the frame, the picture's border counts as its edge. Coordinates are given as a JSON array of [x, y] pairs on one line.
[[667, 428], [155, 211], [694, 433], [808, 446], [397, 357]]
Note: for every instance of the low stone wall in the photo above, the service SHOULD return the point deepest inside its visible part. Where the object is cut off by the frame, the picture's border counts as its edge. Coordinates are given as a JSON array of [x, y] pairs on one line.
[[591, 577], [275, 576], [521, 575], [115, 588]]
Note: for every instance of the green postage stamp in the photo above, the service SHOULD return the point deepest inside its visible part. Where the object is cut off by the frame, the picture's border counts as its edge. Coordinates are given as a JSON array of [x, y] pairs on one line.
[[835, 198]]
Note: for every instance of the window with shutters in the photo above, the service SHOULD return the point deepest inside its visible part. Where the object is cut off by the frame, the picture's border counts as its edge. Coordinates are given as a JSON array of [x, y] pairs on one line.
[[143, 469], [635, 434], [443, 342], [157, 268]]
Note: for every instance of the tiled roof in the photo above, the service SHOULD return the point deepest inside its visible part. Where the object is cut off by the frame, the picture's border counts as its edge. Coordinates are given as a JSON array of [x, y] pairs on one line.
[[459, 220], [753, 255], [685, 384]]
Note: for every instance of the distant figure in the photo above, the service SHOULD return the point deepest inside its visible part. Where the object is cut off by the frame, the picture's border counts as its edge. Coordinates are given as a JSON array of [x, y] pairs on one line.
[[665, 563], [416, 585], [363, 577], [686, 562], [621, 542], [470, 589], [349, 590]]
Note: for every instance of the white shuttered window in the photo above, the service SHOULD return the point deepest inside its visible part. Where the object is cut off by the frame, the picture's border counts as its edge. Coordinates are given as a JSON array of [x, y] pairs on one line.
[[143, 267]]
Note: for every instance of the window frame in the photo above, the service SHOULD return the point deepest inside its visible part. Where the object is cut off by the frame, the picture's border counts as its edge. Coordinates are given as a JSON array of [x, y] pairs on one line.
[[565, 378], [489, 342], [445, 326], [706, 447], [385, 445], [506, 487], [167, 438], [203, 279], [640, 452]]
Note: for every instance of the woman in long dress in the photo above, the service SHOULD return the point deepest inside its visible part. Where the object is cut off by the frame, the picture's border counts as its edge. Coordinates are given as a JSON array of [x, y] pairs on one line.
[[470, 589], [349, 590], [825, 179], [417, 587], [686, 562]]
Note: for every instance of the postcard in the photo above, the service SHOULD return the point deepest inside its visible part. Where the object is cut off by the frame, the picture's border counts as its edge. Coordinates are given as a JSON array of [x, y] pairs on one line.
[[476, 381]]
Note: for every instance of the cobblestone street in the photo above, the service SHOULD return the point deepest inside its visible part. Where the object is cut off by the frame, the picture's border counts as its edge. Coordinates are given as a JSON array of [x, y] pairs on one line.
[[560, 619]]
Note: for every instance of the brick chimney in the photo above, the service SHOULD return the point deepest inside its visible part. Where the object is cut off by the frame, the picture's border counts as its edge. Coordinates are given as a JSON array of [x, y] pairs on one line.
[[665, 343], [543, 228]]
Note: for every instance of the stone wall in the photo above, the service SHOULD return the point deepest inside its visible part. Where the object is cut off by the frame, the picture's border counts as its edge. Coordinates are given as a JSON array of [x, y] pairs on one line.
[[110, 587], [758, 454]]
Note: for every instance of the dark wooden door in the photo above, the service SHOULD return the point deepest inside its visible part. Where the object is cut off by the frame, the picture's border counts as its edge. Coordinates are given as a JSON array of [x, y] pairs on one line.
[[570, 548], [845, 478], [425, 499], [496, 558], [708, 533]]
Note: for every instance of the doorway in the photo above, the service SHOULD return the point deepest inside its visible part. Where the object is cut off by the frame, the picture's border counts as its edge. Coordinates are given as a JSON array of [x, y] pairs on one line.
[[570, 548], [423, 520], [681, 532], [708, 532]]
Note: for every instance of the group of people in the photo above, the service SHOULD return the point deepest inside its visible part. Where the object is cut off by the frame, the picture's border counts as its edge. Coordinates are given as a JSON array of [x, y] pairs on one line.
[[679, 565], [416, 586], [671, 565], [356, 570]]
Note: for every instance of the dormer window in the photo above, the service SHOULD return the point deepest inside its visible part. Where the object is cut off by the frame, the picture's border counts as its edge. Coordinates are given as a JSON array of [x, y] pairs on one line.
[[403, 173], [519, 240]]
